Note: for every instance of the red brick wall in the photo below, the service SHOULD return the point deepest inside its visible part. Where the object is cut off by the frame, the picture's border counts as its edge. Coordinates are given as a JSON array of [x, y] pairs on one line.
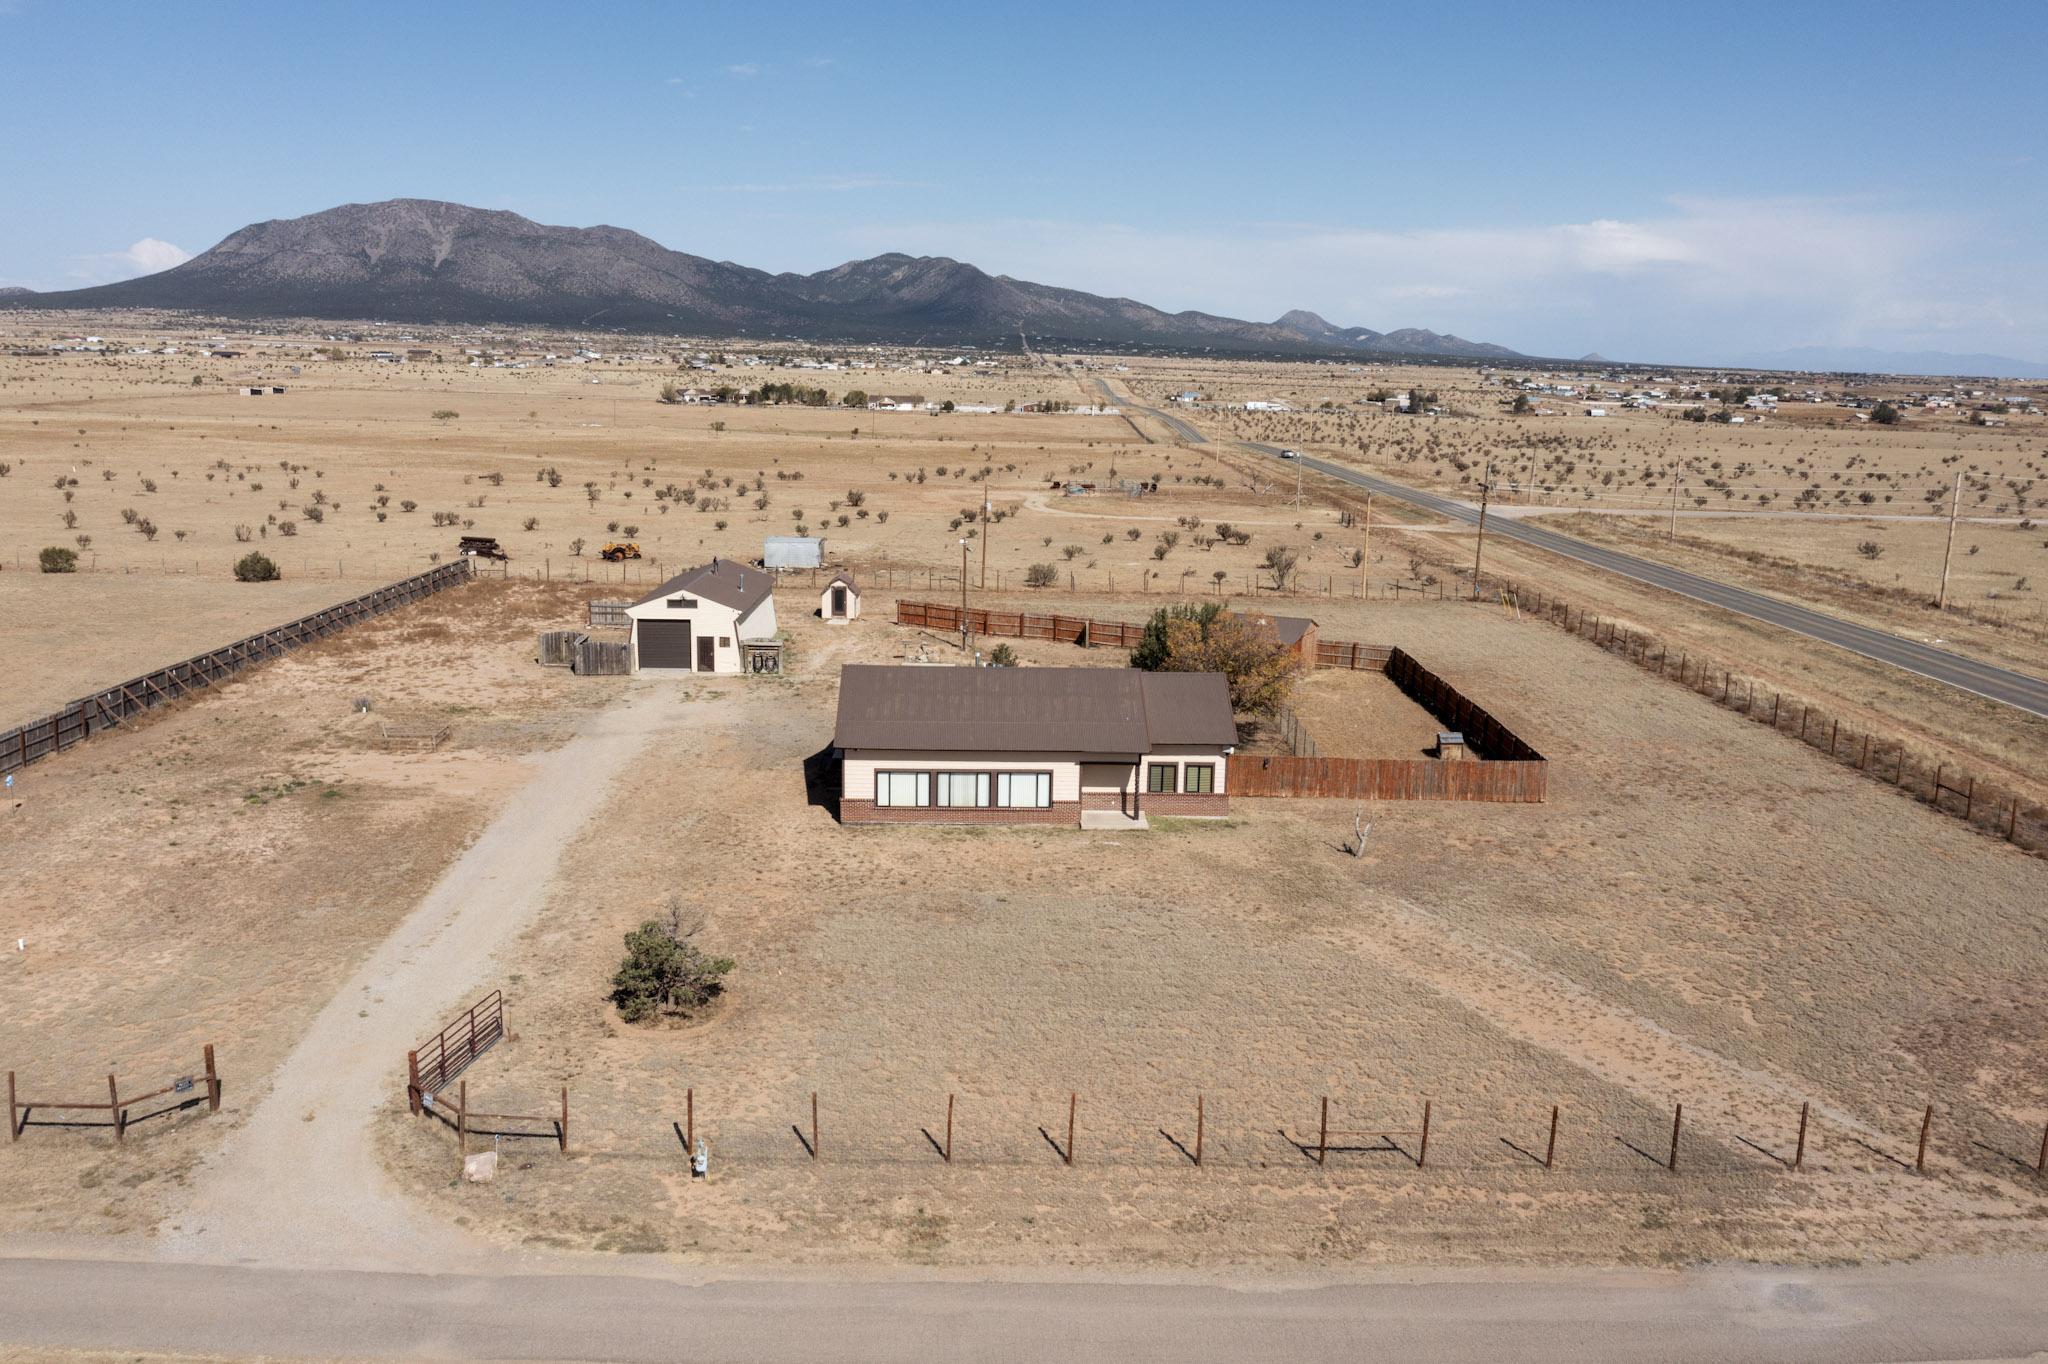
[[1181, 803], [867, 812], [1102, 800]]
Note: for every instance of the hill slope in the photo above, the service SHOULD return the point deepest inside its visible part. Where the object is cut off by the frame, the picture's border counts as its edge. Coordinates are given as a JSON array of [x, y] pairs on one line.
[[421, 260]]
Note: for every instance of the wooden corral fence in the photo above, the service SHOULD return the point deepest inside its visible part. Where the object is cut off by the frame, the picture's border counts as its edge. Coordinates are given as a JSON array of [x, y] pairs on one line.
[[421, 735], [609, 613], [104, 709], [205, 1084], [432, 1065], [1389, 779]]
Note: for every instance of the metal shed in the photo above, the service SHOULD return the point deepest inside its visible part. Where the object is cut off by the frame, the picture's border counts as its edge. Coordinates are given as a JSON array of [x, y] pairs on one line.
[[793, 551]]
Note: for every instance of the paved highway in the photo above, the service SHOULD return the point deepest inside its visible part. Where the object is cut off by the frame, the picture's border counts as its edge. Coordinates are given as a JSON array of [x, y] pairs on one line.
[[653, 1310], [2003, 685]]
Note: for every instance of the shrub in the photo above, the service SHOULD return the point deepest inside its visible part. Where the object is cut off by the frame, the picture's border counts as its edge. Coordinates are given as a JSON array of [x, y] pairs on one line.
[[1002, 656], [1870, 549], [663, 970], [445, 414], [255, 567], [1041, 575], [1884, 414], [57, 559]]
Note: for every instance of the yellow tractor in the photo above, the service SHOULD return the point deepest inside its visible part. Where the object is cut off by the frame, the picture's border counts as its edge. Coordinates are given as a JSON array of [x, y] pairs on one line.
[[614, 552]]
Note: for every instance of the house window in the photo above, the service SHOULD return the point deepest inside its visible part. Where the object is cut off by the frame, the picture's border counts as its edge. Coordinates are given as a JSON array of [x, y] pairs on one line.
[[682, 603], [1024, 790], [1200, 779], [963, 790], [1159, 778], [899, 790], [725, 641]]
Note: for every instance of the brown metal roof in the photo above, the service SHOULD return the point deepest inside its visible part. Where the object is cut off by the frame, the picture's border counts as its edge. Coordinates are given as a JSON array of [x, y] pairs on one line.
[[738, 586], [1030, 710], [1288, 629]]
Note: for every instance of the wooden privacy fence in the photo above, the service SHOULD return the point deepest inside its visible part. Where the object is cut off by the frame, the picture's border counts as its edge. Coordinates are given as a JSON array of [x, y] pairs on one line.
[[1937, 782], [1097, 634], [431, 1066], [203, 1085], [1508, 782], [584, 656], [609, 613], [104, 709]]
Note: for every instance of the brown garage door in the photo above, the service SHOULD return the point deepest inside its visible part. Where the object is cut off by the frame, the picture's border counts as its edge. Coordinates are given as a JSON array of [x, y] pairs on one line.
[[664, 644]]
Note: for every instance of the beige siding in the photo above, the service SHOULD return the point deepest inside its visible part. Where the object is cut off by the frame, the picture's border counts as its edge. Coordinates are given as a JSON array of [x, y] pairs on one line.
[[858, 773]]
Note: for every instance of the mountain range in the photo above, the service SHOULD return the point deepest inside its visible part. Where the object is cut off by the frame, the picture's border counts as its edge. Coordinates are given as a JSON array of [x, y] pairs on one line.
[[1864, 360], [423, 261]]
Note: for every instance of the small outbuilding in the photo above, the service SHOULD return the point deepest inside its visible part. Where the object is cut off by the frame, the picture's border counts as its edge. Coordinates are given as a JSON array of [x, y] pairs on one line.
[[840, 601], [793, 551], [1297, 634], [703, 620]]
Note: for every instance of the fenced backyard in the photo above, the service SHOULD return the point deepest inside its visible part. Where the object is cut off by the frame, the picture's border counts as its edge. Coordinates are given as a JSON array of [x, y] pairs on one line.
[[1502, 767], [89, 715]]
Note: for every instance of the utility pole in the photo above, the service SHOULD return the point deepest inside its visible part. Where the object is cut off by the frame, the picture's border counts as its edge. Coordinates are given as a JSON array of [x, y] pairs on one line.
[[987, 510], [963, 596], [1955, 505], [1485, 487], [1365, 554], [1672, 534]]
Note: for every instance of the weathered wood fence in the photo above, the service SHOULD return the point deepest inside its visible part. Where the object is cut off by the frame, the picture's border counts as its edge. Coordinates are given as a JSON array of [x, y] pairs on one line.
[[605, 614], [584, 656], [104, 709]]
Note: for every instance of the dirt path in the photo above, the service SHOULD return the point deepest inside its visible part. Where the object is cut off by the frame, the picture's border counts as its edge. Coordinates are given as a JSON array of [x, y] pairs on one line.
[[307, 1146]]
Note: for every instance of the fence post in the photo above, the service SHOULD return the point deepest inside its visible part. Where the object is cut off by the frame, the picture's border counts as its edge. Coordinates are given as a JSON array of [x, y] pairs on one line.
[[690, 1118], [949, 1129], [1677, 1118], [1970, 801], [1799, 1151], [114, 1110], [814, 1124], [462, 1121], [412, 1082], [1920, 1157], [565, 1120], [1072, 1102], [1198, 1133], [1550, 1149], [1323, 1140], [14, 1129], [212, 1082], [1422, 1152], [2040, 1162]]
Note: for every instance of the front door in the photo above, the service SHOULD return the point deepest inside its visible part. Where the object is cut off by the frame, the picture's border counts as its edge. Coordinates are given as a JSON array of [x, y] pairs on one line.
[[707, 654], [838, 601]]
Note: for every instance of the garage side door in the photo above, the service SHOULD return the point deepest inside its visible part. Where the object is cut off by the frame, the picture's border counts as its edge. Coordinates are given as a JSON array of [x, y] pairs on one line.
[[664, 644]]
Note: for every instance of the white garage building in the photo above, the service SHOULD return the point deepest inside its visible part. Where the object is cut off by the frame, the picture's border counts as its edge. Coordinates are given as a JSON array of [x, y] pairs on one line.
[[700, 620]]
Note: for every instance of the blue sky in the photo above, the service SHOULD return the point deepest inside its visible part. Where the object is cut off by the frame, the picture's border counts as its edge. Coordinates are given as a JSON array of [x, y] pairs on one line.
[[1696, 183]]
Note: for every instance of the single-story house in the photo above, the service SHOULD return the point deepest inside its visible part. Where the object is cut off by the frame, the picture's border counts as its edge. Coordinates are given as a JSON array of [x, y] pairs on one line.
[[1030, 745], [1297, 633], [840, 601], [700, 620]]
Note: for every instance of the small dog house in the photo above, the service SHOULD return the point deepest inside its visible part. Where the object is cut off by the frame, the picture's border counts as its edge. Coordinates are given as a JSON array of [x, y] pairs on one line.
[[840, 601]]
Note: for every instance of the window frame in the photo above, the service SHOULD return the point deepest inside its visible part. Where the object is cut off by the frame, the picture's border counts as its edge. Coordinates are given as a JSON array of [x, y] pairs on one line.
[[1152, 771], [1041, 780], [1187, 784], [921, 788], [983, 786]]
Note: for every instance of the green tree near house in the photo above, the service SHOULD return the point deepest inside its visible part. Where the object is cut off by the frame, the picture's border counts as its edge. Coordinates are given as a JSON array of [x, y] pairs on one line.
[[664, 971]]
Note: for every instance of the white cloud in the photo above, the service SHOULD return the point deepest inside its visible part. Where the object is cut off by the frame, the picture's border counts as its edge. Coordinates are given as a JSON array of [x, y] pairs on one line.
[[1702, 278], [145, 257], [744, 70]]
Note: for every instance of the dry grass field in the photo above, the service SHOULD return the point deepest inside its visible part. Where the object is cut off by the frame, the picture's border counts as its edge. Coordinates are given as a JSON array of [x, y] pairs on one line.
[[1703, 912], [1645, 937]]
